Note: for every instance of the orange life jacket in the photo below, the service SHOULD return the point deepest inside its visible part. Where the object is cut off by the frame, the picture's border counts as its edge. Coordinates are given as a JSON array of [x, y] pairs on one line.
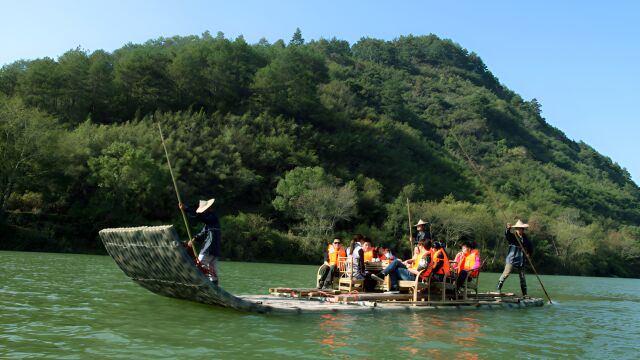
[[445, 267], [335, 254], [369, 255], [468, 262]]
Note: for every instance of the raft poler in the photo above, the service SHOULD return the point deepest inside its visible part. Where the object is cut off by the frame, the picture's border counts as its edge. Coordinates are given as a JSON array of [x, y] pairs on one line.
[[421, 234], [210, 233], [515, 255]]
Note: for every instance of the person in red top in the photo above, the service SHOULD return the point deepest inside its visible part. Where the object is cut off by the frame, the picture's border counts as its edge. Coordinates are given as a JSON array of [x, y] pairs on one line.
[[329, 270], [384, 253]]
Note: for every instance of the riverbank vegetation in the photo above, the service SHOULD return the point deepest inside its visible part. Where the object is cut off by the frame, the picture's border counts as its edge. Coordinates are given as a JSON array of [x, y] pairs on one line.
[[299, 141]]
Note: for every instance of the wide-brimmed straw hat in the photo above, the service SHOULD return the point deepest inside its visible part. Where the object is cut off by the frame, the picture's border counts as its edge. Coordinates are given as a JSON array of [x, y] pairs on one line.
[[204, 205], [520, 225], [420, 222]]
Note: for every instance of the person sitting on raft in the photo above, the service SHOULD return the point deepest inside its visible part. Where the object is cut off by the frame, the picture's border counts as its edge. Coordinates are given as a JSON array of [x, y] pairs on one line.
[[467, 263], [439, 264], [384, 253], [357, 255], [329, 270], [370, 253], [408, 269]]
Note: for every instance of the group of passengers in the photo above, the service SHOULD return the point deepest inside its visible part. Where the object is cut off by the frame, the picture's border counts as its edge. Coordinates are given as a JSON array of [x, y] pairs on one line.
[[429, 259], [360, 251]]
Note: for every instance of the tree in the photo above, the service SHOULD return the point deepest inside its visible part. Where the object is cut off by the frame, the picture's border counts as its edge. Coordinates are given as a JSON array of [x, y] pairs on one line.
[[311, 196], [128, 181], [102, 106], [296, 183], [296, 39], [321, 209], [143, 80], [27, 148], [288, 85]]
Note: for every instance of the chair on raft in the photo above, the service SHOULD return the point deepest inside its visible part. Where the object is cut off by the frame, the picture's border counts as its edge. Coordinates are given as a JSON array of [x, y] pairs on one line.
[[423, 282], [346, 281], [471, 283]]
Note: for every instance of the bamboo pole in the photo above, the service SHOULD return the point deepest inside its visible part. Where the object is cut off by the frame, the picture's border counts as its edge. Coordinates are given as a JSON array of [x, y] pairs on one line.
[[175, 187], [410, 228]]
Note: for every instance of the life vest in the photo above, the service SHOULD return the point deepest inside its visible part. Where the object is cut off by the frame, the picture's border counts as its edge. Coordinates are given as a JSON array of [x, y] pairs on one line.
[[468, 262], [369, 255], [445, 269], [417, 258], [335, 254]]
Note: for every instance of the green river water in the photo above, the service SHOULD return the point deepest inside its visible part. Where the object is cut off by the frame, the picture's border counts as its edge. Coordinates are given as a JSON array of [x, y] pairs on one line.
[[83, 307]]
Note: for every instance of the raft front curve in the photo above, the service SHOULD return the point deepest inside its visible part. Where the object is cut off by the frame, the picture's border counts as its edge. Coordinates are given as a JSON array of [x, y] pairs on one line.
[[153, 257]]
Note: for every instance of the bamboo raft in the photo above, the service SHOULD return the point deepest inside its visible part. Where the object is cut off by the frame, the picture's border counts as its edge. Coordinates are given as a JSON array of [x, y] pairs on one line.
[[154, 258]]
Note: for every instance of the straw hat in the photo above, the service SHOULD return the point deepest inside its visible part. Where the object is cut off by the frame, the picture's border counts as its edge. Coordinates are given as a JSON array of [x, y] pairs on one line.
[[520, 225], [420, 222], [204, 205]]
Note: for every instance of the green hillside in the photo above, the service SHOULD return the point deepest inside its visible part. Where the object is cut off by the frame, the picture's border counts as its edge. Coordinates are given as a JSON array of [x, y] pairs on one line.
[[300, 141]]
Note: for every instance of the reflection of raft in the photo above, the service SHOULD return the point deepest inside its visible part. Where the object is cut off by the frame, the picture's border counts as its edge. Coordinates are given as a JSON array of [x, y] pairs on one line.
[[154, 258]]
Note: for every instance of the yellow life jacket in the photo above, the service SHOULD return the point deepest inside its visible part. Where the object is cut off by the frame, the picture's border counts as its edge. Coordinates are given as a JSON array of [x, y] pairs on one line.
[[417, 258]]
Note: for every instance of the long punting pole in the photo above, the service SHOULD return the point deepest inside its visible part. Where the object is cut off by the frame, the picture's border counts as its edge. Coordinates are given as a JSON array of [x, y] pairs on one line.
[[410, 228], [175, 187], [532, 267], [477, 171]]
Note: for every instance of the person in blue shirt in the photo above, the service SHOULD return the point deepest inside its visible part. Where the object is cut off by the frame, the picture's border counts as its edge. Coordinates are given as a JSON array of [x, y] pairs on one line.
[[515, 257], [210, 235]]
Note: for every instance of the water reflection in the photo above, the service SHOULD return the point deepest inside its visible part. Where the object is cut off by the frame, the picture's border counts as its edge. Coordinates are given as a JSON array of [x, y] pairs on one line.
[[333, 331], [438, 337]]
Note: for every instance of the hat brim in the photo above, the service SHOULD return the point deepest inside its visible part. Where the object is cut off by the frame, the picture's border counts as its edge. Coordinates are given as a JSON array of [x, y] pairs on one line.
[[204, 206]]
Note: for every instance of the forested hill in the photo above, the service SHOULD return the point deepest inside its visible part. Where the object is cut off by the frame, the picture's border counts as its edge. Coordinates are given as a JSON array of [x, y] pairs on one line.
[[299, 141]]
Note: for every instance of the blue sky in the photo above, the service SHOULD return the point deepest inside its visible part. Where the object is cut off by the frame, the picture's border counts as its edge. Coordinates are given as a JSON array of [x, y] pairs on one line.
[[579, 59]]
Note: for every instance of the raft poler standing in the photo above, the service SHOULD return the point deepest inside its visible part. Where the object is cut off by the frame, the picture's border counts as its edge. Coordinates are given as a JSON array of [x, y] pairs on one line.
[[421, 234], [211, 235], [515, 256]]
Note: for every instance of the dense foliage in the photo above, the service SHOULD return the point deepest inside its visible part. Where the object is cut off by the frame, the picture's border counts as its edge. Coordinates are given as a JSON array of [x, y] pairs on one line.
[[299, 141]]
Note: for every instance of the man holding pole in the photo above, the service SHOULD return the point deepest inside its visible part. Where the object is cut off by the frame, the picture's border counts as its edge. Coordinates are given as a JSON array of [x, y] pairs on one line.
[[421, 234], [515, 256], [210, 233]]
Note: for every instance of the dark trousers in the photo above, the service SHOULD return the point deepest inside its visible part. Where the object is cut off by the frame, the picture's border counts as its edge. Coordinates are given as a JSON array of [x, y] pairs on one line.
[[462, 277], [327, 273]]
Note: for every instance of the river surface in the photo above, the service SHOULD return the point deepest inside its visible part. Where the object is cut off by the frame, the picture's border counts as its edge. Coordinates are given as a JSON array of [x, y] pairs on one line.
[[83, 307]]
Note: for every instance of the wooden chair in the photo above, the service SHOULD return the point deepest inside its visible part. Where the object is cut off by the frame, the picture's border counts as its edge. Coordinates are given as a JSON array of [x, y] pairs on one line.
[[416, 286], [346, 281], [444, 286], [472, 284]]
